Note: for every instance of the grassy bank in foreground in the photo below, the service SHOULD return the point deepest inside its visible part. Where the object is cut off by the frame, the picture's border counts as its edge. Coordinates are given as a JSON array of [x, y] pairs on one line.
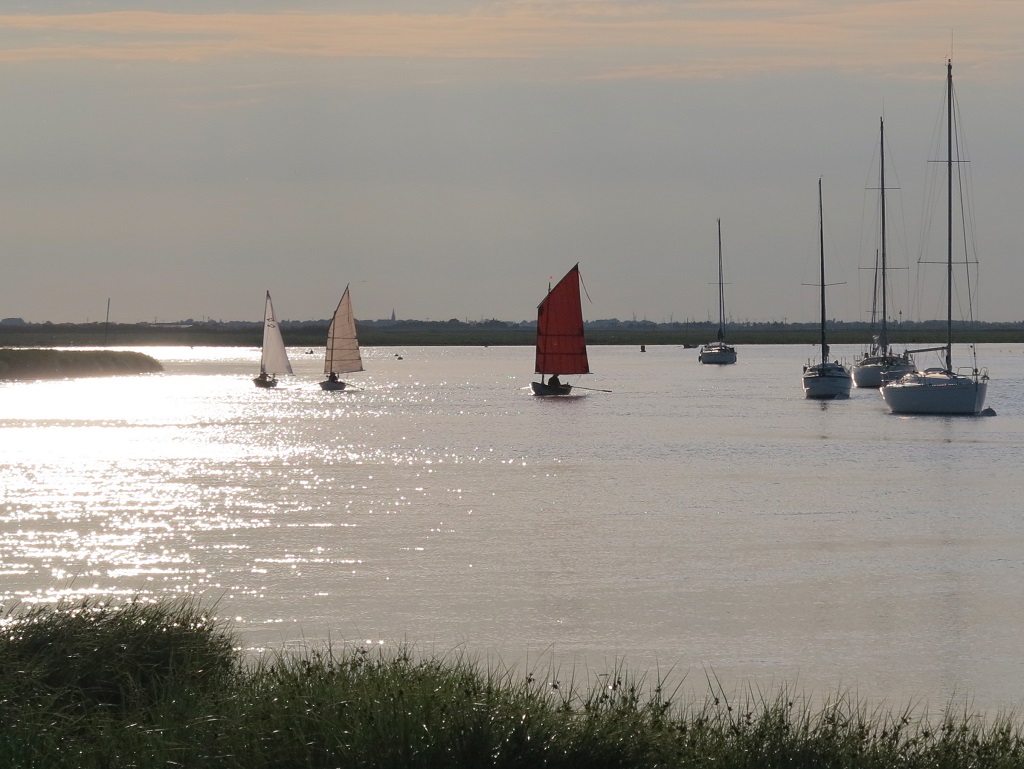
[[147, 685], [25, 364]]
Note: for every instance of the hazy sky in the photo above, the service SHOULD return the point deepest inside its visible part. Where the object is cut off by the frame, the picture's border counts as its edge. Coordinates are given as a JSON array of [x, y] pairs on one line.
[[448, 158]]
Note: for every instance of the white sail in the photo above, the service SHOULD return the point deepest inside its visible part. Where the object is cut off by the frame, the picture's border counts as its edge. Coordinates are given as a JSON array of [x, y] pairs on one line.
[[342, 346], [275, 357]]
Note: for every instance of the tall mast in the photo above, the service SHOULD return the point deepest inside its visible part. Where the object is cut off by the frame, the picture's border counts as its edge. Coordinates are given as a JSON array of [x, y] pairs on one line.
[[721, 289], [106, 323], [949, 215], [883, 337], [821, 244]]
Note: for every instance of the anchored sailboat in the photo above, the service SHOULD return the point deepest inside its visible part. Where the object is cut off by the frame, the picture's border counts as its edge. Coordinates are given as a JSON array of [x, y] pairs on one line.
[[719, 351], [880, 364], [274, 359], [342, 355], [942, 390], [561, 345], [827, 379]]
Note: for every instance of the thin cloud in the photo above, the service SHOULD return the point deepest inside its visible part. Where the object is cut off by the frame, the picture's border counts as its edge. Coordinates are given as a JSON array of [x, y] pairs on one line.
[[597, 39]]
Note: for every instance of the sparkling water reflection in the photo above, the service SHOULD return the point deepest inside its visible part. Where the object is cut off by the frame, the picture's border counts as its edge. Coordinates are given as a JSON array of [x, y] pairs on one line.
[[696, 518]]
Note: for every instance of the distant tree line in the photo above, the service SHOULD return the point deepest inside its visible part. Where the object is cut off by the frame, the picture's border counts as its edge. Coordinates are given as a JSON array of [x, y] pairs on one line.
[[373, 333]]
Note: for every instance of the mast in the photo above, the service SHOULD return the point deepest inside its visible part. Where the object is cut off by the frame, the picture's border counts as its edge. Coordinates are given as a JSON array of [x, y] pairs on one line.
[[721, 288], [106, 323], [949, 215], [883, 336], [821, 245], [268, 315]]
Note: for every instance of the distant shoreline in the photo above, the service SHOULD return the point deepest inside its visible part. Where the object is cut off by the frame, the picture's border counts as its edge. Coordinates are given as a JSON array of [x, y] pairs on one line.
[[35, 364], [491, 333]]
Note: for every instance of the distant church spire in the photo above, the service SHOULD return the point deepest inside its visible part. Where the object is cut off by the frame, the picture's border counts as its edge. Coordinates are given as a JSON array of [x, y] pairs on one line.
[[392, 314]]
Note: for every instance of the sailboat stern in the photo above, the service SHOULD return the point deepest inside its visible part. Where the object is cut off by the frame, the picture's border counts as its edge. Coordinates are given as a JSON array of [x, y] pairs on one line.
[[936, 391], [873, 371], [827, 381], [717, 353]]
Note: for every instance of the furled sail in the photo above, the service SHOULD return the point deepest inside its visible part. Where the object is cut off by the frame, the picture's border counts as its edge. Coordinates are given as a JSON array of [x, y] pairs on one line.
[[561, 346], [342, 346]]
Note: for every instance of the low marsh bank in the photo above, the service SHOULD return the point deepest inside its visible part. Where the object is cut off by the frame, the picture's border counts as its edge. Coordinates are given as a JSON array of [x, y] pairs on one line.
[[163, 684], [22, 364], [492, 334]]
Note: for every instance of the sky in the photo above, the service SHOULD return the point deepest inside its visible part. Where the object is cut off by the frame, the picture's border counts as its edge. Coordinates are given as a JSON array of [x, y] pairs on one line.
[[449, 158]]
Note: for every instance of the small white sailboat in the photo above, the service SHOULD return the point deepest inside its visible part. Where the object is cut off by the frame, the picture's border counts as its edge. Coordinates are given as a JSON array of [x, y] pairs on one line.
[[826, 380], [718, 351], [561, 344], [880, 363], [942, 390], [274, 359], [342, 355]]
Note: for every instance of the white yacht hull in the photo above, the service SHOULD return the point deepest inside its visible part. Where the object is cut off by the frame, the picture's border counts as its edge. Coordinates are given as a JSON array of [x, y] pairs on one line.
[[718, 354], [827, 381], [936, 392], [876, 371]]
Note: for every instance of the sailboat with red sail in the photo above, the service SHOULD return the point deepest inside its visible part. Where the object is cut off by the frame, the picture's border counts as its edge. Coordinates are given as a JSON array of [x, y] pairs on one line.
[[561, 345]]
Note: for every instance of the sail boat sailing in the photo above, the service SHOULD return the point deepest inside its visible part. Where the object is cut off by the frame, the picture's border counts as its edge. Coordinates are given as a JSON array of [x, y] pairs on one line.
[[274, 359], [826, 380], [880, 363], [941, 390], [342, 355], [561, 345], [719, 351]]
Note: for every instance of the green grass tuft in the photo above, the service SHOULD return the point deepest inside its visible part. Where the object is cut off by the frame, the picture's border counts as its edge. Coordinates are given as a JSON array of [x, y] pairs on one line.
[[140, 684]]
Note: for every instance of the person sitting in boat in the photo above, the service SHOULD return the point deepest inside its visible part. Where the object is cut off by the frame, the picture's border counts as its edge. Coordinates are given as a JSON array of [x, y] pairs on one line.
[[553, 381], [332, 377]]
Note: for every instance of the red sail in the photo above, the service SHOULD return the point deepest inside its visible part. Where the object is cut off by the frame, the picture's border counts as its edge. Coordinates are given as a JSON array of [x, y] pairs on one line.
[[561, 347]]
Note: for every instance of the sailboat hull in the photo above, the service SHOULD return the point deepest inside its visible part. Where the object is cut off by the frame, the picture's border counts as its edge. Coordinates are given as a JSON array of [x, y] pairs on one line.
[[873, 371], [827, 381], [264, 381], [539, 388], [936, 392], [333, 385], [717, 353]]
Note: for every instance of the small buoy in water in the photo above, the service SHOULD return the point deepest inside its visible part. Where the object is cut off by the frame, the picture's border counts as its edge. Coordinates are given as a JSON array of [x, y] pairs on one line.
[[989, 412], [643, 348]]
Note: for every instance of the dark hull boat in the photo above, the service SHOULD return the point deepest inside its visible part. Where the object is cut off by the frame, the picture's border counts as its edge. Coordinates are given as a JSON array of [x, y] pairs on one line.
[[561, 344]]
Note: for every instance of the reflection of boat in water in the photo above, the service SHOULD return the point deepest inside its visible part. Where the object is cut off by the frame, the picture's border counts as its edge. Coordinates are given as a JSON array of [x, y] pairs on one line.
[[561, 345], [880, 364], [942, 390], [718, 351], [342, 356], [827, 379], [274, 358]]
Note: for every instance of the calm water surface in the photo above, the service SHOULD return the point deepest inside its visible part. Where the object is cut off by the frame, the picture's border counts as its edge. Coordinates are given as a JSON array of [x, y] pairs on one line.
[[696, 519]]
